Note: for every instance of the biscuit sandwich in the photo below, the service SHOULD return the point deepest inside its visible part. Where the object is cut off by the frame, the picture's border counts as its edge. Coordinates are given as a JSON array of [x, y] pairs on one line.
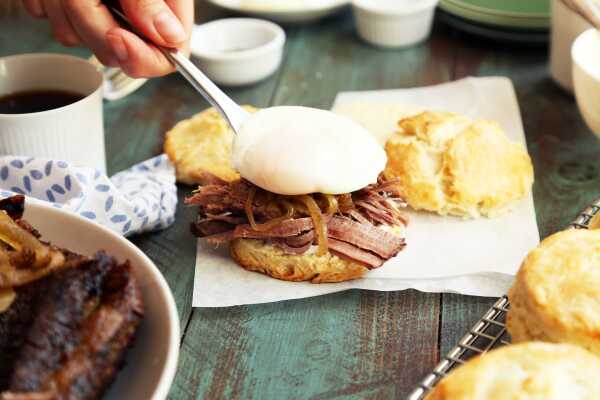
[[310, 206]]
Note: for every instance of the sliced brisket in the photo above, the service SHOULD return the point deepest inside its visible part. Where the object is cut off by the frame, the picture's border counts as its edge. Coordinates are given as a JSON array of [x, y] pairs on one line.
[[81, 325], [354, 232], [13, 322], [364, 243], [301, 240], [295, 244], [231, 198], [55, 329], [364, 236], [208, 228], [282, 244], [105, 336], [349, 251], [287, 228]]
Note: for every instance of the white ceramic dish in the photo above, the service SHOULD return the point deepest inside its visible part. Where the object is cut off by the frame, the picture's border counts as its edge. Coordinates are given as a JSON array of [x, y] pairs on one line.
[[285, 11], [238, 51], [151, 363], [394, 23], [586, 77]]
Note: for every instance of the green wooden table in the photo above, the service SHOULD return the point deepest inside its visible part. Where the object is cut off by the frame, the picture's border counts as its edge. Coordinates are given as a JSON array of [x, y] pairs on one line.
[[356, 344]]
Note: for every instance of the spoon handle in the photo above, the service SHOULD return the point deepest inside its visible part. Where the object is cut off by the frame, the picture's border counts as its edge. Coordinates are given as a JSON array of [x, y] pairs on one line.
[[230, 110]]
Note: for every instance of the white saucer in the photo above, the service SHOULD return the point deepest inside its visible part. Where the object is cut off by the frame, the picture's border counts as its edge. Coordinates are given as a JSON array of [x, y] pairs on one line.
[[285, 11]]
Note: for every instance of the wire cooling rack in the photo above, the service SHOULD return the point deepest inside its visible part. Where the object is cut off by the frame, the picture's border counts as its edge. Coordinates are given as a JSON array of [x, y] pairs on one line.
[[490, 331]]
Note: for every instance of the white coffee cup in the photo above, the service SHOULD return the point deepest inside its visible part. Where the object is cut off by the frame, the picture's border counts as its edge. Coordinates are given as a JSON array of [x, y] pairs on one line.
[[73, 133]]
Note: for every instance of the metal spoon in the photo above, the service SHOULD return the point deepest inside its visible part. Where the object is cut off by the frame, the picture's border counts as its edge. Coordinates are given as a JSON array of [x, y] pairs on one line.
[[229, 109]]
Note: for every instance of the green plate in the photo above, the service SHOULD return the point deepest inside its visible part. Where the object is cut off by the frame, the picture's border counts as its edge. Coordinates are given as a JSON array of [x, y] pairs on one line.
[[507, 35], [514, 8], [501, 20]]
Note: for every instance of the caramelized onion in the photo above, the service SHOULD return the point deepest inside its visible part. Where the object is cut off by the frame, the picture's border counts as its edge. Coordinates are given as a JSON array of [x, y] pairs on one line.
[[249, 207], [345, 203], [269, 224], [27, 259], [7, 296], [332, 204], [319, 224], [21, 240], [290, 209], [14, 277]]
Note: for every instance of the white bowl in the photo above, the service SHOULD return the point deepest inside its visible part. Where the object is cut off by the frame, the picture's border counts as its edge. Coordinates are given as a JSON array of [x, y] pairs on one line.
[[285, 11], [586, 77], [238, 51], [151, 363], [394, 23]]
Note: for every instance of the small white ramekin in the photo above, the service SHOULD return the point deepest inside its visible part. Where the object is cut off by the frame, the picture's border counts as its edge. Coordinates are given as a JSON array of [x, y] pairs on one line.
[[394, 23], [585, 55], [238, 51]]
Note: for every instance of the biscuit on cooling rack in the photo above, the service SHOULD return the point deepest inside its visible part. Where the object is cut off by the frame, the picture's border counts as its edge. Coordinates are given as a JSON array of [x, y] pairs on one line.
[[556, 294], [200, 147], [531, 370], [449, 164]]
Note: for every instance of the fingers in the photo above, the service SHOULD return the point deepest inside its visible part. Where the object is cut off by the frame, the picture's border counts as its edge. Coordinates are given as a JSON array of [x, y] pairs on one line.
[[184, 10], [156, 20], [165, 22], [62, 30], [35, 8], [136, 57], [92, 20]]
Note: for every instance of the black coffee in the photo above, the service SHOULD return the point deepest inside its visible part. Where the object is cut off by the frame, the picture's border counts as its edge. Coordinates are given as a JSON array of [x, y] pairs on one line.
[[36, 100]]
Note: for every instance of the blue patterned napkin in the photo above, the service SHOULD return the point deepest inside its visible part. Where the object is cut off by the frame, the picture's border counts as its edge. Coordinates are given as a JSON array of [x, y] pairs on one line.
[[140, 199]]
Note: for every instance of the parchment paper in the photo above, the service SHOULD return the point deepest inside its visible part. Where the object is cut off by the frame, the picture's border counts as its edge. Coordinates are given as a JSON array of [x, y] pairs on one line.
[[444, 254]]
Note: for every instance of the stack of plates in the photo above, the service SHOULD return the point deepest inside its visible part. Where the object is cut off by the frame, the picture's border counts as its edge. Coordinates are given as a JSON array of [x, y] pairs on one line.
[[520, 20]]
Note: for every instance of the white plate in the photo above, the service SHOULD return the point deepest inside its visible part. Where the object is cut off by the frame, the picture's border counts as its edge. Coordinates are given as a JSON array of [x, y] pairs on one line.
[[151, 363], [286, 11]]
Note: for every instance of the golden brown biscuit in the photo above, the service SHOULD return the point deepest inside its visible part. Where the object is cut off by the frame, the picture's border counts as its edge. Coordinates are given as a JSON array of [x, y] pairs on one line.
[[556, 294], [256, 255], [448, 164], [531, 371], [201, 145]]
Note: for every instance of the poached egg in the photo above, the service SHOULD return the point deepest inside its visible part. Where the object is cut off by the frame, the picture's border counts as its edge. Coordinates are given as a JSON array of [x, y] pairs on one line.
[[293, 150]]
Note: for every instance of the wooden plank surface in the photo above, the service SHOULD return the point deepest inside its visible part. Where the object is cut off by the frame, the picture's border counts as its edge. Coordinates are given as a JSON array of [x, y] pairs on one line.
[[356, 344], [346, 345]]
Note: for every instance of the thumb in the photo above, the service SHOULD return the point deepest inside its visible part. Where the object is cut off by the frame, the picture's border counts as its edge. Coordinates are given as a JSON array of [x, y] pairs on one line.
[[156, 20]]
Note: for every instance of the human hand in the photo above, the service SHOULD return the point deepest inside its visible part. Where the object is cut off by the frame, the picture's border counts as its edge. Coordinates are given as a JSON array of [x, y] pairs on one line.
[[88, 22]]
